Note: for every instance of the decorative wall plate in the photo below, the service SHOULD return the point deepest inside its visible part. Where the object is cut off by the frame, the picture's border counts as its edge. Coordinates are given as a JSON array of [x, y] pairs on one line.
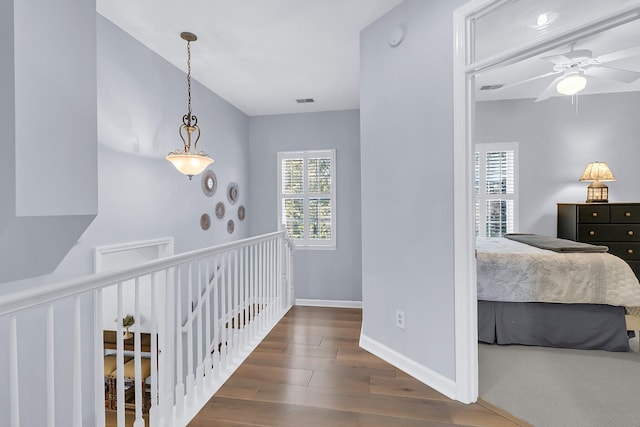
[[205, 221], [220, 210], [209, 183], [233, 192], [241, 213], [230, 226]]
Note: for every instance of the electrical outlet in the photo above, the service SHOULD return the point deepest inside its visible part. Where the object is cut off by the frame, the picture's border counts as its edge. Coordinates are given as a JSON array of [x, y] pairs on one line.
[[400, 319]]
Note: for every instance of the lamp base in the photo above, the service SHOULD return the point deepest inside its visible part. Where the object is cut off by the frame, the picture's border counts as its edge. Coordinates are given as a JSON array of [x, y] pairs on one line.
[[597, 192]]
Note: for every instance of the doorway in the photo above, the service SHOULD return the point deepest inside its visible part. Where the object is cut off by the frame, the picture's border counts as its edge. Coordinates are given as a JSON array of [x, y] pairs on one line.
[[470, 59]]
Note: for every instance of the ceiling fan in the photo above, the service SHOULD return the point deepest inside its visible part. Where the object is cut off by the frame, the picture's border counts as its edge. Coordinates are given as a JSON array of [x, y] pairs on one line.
[[574, 67]]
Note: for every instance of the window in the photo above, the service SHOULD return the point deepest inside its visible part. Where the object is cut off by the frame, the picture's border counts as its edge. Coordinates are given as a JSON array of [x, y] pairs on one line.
[[307, 197], [496, 189]]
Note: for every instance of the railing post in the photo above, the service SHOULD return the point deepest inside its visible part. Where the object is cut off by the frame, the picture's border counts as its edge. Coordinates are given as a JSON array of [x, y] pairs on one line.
[[137, 364], [155, 365], [236, 306], [120, 359], [51, 409], [190, 308], [98, 365], [200, 355], [14, 390], [223, 313], [208, 362], [77, 363], [216, 319], [179, 390]]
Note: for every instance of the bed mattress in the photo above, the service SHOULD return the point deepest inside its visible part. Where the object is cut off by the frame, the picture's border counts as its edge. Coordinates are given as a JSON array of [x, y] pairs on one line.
[[510, 271]]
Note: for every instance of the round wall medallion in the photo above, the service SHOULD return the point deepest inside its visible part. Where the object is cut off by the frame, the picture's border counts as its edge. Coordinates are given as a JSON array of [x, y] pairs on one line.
[[205, 221], [241, 213], [209, 183], [230, 226], [233, 193], [220, 210]]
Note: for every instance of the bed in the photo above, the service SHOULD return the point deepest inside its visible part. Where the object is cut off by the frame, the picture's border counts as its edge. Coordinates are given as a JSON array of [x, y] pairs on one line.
[[533, 296]]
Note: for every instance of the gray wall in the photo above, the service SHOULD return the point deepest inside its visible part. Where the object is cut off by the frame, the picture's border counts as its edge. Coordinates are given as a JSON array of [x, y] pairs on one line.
[[555, 145], [140, 102], [406, 111], [48, 105], [319, 274]]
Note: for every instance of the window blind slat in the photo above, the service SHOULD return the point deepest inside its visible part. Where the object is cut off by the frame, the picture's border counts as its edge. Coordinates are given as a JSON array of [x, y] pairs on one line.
[[307, 196], [495, 189]]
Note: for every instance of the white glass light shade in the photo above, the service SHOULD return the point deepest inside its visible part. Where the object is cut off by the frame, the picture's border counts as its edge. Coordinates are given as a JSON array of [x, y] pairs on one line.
[[189, 164], [571, 84]]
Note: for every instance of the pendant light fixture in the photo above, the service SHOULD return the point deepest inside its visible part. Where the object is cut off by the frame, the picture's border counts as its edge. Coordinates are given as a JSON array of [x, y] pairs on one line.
[[188, 162]]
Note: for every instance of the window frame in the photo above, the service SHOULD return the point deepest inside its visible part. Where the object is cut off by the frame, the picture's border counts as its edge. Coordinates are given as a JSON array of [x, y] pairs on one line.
[[307, 243], [482, 196]]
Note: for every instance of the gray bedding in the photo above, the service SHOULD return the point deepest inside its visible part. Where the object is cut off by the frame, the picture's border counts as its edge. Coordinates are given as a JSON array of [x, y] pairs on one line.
[[555, 244], [581, 326]]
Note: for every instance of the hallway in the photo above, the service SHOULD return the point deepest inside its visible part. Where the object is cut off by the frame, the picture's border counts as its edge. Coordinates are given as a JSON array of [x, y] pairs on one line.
[[310, 371]]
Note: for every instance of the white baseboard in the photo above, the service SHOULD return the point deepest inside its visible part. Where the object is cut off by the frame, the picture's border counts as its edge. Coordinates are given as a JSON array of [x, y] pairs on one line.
[[425, 375], [329, 303]]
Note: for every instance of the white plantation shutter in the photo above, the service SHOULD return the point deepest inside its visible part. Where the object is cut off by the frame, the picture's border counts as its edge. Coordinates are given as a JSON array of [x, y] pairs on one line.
[[306, 187], [496, 189]]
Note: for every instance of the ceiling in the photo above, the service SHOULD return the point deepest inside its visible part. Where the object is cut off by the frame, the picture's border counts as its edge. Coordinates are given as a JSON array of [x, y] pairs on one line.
[[518, 26], [259, 55], [263, 55]]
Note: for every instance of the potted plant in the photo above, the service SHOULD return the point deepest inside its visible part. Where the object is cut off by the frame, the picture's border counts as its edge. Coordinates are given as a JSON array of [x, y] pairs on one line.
[[128, 321]]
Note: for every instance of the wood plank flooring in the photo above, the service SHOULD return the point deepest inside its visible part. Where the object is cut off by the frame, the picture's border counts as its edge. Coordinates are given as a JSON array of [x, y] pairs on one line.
[[309, 371]]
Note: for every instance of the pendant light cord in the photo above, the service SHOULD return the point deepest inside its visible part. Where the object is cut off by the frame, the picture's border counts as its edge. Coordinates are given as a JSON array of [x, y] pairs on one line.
[[189, 78]]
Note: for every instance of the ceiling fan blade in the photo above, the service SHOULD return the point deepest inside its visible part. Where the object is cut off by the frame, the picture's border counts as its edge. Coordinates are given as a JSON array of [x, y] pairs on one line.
[[626, 76], [541, 76], [550, 90], [618, 54], [557, 59]]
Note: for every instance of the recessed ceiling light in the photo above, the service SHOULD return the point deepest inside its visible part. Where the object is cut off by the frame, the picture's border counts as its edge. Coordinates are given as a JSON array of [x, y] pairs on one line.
[[543, 20]]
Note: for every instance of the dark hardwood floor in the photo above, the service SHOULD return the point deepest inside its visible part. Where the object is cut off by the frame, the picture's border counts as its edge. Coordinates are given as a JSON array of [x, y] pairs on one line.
[[309, 371]]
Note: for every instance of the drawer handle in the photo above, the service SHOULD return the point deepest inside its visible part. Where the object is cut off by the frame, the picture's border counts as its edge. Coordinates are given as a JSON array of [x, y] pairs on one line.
[[630, 233], [594, 214], [627, 214], [592, 233], [629, 251]]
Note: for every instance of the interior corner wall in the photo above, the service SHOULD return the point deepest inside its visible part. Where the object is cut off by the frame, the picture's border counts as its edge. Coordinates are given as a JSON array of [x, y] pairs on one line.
[[7, 116], [55, 102], [318, 274], [406, 112], [552, 133]]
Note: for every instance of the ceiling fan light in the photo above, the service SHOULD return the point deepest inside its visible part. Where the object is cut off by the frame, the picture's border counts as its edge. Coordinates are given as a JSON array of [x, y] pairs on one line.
[[571, 84]]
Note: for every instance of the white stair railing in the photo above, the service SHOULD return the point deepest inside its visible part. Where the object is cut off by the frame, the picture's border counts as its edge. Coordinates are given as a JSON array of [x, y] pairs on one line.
[[218, 303]]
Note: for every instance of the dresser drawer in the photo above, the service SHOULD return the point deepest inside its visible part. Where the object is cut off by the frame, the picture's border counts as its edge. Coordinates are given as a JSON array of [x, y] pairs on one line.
[[622, 214], [593, 214], [635, 266], [608, 232], [626, 251]]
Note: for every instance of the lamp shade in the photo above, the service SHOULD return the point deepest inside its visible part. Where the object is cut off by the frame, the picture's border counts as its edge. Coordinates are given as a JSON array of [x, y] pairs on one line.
[[597, 171], [189, 164], [571, 84]]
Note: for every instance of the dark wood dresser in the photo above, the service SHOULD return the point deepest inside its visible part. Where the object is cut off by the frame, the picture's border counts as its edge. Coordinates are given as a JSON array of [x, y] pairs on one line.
[[616, 225]]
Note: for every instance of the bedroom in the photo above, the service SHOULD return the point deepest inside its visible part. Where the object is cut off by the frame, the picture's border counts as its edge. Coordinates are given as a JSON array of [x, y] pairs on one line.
[[559, 136]]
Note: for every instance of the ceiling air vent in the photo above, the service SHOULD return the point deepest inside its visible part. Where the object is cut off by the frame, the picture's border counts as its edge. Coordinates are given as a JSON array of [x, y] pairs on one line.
[[305, 100], [491, 87]]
